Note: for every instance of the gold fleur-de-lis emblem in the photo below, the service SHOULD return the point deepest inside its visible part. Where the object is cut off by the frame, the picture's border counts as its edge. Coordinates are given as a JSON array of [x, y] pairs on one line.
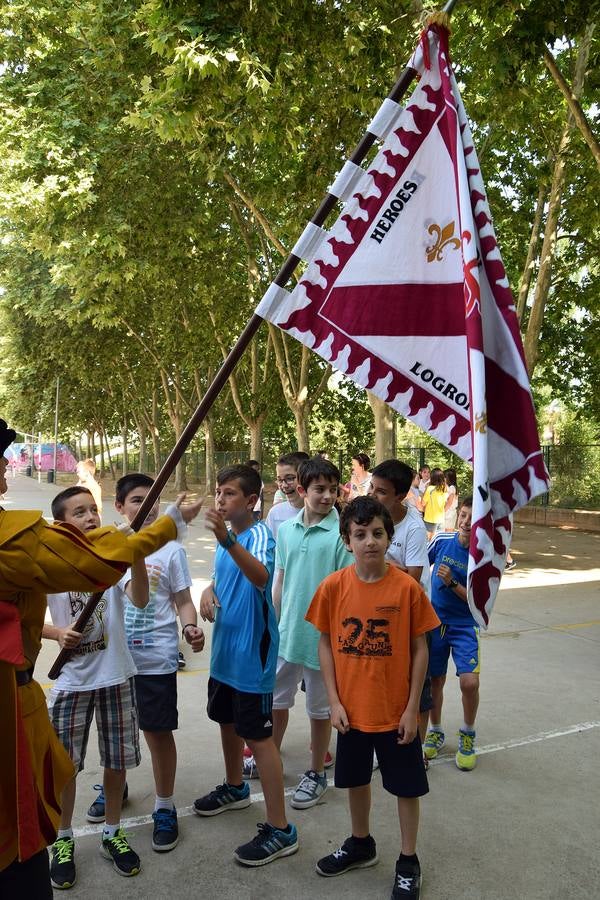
[[444, 237], [481, 422]]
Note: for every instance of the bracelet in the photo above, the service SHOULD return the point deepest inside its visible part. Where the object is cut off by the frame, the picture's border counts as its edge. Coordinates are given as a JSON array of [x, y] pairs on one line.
[[189, 625], [453, 583], [229, 541]]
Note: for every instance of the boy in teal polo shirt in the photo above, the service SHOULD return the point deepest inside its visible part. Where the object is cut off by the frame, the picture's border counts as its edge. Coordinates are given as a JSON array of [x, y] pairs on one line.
[[309, 548]]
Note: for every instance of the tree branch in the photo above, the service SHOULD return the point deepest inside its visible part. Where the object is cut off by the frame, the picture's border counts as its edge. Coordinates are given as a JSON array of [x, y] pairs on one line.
[[575, 109]]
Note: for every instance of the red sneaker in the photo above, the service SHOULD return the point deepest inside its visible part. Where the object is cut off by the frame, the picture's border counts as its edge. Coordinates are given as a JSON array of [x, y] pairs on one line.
[[328, 760], [247, 751]]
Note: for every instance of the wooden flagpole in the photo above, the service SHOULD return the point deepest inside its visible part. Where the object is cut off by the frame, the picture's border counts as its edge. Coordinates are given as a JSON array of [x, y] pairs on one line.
[[235, 354]]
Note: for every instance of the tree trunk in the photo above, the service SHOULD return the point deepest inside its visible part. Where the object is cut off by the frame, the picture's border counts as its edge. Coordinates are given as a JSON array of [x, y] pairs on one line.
[[532, 251], [575, 109], [180, 469], [93, 445], [102, 466], [255, 426], [89, 444], [385, 424], [544, 279], [209, 444], [302, 417], [125, 466], [155, 434], [143, 447], [110, 462]]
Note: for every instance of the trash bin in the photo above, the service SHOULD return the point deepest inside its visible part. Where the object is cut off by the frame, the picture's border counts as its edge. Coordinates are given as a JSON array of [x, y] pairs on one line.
[[28, 471], [50, 476]]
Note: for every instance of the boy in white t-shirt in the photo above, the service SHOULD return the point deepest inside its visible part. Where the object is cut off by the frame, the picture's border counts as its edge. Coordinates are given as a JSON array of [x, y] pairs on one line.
[[153, 640], [287, 483], [99, 678], [390, 483]]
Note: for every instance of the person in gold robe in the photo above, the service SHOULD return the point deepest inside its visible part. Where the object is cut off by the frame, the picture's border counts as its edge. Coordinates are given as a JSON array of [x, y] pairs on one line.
[[36, 559]]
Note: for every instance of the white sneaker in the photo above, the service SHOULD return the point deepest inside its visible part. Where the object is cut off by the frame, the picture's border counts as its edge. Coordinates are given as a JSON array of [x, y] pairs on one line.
[[310, 790]]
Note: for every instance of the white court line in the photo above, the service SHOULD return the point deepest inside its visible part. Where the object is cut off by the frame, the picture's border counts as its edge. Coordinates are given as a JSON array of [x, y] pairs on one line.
[[137, 821]]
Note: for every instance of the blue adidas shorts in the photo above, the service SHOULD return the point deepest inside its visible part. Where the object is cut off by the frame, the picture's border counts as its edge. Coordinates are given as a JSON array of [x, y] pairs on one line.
[[463, 641]]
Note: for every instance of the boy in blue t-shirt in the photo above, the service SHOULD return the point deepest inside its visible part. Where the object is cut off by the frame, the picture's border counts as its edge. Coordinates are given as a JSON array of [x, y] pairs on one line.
[[449, 556], [245, 642]]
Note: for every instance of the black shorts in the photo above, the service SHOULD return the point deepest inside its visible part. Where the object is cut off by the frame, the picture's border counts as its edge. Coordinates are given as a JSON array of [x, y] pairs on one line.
[[250, 714], [401, 766], [157, 701]]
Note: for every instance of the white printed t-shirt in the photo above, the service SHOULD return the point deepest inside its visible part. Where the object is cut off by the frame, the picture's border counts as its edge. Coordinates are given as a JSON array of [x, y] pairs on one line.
[[102, 658], [152, 632], [280, 513], [409, 546]]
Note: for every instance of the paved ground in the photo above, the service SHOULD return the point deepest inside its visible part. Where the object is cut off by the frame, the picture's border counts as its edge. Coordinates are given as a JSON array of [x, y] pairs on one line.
[[524, 824]]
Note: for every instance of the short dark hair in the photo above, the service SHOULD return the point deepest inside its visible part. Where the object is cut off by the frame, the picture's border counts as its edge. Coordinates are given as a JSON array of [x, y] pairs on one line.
[[58, 504], [397, 473], [128, 483], [311, 469], [248, 478], [466, 501], [362, 511], [293, 459], [363, 459]]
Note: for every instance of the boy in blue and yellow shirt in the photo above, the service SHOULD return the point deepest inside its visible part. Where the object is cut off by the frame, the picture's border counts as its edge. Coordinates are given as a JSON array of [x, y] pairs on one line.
[[458, 633]]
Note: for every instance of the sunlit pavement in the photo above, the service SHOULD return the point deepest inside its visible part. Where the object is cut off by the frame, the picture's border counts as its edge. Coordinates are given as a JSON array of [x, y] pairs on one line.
[[523, 824]]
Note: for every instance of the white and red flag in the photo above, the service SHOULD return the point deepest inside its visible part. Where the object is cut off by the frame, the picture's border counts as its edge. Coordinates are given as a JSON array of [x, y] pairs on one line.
[[407, 295]]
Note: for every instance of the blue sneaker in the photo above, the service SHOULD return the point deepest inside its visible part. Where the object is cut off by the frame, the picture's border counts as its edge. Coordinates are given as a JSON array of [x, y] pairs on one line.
[[269, 844], [166, 831], [225, 796], [97, 810]]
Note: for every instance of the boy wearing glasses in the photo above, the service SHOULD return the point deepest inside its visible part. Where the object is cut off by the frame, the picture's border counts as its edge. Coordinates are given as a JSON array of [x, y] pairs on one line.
[[287, 483]]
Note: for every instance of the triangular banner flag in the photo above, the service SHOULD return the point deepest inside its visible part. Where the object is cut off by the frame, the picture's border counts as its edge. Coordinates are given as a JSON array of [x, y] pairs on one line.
[[407, 295]]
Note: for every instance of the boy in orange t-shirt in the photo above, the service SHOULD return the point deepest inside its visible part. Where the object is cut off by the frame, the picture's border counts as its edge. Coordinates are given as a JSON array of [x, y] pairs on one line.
[[373, 653]]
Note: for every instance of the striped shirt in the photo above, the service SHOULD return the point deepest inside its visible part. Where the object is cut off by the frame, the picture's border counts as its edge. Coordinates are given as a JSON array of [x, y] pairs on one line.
[[245, 638]]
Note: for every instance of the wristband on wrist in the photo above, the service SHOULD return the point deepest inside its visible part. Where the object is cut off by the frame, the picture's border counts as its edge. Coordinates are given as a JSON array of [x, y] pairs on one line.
[[229, 541], [189, 625], [453, 583]]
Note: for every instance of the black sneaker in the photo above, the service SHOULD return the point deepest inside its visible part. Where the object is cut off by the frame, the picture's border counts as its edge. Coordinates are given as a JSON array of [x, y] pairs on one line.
[[96, 812], [225, 796], [62, 865], [181, 662], [407, 881], [125, 860], [270, 843], [166, 831], [351, 855]]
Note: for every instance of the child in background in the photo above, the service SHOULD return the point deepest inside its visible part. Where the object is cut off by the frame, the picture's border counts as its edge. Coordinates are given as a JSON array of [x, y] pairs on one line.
[[309, 547], [434, 503], [86, 469], [287, 483], [452, 505], [373, 619], [458, 633], [245, 641]]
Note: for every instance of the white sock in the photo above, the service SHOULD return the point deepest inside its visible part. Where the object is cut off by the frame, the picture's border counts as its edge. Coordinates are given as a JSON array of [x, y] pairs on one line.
[[163, 803], [433, 727], [469, 728], [109, 831], [65, 833]]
